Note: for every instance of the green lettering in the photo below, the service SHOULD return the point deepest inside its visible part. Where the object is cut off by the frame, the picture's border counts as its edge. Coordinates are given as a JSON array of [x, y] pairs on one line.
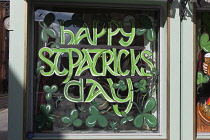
[[147, 61], [130, 35], [128, 98], [81, 90], [110, 33], [70, 33], [46, 60], [119, 61], [134, 62], [96, 90]]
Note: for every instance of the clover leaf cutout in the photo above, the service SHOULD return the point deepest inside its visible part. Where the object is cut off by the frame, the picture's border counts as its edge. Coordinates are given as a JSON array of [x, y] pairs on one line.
[[201, 78], [72, 119], [146, 29], [95, 117], [150, 119], [39, 67], [120, 86], [125, 118], [141, 85], [44, 119], [50, 91]]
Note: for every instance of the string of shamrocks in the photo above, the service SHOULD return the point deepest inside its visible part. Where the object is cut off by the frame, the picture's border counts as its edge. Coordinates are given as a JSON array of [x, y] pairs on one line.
[[45, 120]]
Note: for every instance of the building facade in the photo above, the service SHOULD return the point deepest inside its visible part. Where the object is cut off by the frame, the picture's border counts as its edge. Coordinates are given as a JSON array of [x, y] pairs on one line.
[[135, 69]]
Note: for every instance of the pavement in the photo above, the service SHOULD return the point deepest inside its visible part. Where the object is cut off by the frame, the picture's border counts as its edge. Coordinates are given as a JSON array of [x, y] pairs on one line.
[[3, 116]]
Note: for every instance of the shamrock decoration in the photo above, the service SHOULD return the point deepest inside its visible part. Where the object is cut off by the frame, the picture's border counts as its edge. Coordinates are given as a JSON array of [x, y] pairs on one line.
[[144, 116], [141, 85], [44, 120], [104, 20], [147, 28], [120, 86], [56, 43], [39, 67], [75, 20], [59, 98], [155, 73], [46, 31], [95, 117], [50, 91], [82, 108], [204, 42], [125, 118], [201, 78], [72, 119], [49, 19], [113, 125]]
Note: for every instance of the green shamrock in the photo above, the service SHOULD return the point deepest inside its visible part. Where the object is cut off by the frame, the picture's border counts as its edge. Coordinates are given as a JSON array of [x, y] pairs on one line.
[[204, 42], [72, 119], [201, 78], [95, 117], [49, 19], [103, 21], [56, 43], [44, 120], [144, 116], [155, 73], [141, 85], [39, 67], [125, 118], [47, 31], [75, 20], [147, 28], [82, 108], [120, 86], [113, 125], [50, 91]]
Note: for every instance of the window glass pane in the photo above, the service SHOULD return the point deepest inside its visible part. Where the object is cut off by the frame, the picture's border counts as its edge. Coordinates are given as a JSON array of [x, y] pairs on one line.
[[203, 72], [96, 70]]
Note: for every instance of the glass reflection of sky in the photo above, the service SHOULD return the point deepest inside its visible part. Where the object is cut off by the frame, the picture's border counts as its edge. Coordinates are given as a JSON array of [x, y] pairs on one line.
[[55, 25]]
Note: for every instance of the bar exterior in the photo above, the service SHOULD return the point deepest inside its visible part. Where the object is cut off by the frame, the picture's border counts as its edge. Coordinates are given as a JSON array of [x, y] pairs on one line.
[[117, 69]]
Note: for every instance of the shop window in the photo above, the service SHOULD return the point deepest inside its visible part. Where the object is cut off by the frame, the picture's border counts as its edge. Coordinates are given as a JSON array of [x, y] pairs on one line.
[[203, 72], [96, 70]]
